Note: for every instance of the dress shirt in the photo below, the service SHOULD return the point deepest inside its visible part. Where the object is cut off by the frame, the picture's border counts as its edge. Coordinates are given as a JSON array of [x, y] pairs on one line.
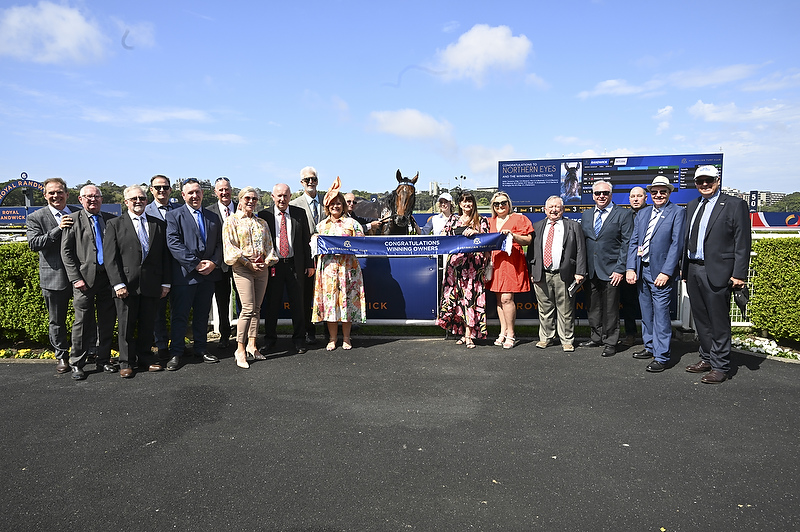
[[289, 222], [701, 231], [557, 245]]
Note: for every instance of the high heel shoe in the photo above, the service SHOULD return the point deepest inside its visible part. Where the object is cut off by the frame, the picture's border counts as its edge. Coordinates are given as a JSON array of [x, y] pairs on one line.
[[241, 359], [255, 354]]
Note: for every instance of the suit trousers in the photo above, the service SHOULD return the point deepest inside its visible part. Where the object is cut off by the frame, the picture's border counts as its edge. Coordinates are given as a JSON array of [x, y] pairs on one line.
[[160, 330], [136, 315], [308, 303], [97, 299], [711, 312], [603, 301], [285, 276], [629, 296], [656, 324], [251, 287], [222, 295], [556, 309], [57, 302], [194, 298]]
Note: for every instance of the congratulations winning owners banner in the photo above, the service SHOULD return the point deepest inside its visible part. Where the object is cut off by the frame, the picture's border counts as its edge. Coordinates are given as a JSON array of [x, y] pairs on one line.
[[409, 245]]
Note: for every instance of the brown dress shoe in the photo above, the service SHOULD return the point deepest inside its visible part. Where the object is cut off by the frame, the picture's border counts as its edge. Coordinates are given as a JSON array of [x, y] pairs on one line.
[[126, 373], [155, 367], [62, 366], [714, 376], [699, 367]]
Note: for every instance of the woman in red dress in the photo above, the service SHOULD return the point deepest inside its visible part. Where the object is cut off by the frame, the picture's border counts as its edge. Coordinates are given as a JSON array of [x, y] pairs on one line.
[[510, 273]]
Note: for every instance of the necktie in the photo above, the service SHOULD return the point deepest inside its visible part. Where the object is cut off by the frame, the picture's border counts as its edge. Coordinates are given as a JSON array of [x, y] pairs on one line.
[[598, 222], [163, 210], [227, 211], [142, 233], [315, 211], [696, 226], [199, 217], [548, 246], [648, 235], [98, 238], [283, 238]]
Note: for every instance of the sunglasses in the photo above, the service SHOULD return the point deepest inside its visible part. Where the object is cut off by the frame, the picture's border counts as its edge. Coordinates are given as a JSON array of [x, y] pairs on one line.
[[499, 203], [249, 198], [659, 192], [189, 181], [309, 180], [601, 193], [136, 198], [704, 181], [161, 187], [222, 179]]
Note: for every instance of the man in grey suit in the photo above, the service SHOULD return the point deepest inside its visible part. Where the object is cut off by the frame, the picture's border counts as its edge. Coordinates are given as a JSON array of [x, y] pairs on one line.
[[607, 228], [312, 206], [82, 253], [557, 259], [717, 243], [194, 238], [44, 228], [294, 266], [137, 263], [223, 208], [160, 189]]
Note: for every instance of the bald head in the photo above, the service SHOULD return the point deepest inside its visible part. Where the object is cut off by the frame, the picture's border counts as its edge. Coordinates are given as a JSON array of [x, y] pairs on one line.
[[637, 198]]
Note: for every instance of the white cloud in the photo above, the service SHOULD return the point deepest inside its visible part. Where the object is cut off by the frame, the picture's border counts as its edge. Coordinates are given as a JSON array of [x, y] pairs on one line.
[[411, 123], [620, 87], [563, 139], [483, 160], [729, 112], [144, 115], [161, 136], [450, 27], [663, 116], [776, 81], [535, 81], [704, 77], [50, 33], [481, 49]]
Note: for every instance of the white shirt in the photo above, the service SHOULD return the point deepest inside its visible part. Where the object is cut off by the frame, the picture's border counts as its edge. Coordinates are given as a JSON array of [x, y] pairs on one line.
[[277, 242], [558, 242]]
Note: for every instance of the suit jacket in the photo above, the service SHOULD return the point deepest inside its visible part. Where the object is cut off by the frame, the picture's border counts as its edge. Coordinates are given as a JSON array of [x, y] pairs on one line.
[[123, 256], [303, 204], [188, 248], [573, 252], [153, 210], [726, 244], [78, 249], [607, 252], [300, 235], [666, 242], [44, 237], [214, 207]]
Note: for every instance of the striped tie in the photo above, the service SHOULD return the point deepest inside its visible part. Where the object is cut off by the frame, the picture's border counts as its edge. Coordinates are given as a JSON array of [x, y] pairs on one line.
[[142, 233], [649, 235], [598, 222]]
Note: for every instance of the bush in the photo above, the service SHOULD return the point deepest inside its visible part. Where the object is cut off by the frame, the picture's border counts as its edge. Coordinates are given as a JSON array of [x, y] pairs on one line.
[[774, 305]]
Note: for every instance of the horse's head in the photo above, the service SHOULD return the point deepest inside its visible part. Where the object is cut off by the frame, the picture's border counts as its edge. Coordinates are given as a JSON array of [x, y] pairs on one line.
[[403, 199]]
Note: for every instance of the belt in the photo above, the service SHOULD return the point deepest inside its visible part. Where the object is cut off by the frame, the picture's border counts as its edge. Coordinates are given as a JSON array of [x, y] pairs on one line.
[[645, 264], [288, 260], [552, 271], [697, 261]]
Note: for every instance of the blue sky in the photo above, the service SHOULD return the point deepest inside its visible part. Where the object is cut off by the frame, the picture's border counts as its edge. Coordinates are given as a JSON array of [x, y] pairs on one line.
[[258, 90]]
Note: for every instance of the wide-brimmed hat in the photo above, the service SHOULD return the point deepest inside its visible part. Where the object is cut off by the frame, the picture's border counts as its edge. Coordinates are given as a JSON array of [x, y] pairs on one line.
[[708, 170], [660, 181]]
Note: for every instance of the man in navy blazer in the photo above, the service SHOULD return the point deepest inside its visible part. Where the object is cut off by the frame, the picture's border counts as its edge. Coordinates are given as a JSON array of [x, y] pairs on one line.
[[654, 256], [161, 189], [716, 261], [44, 228], [557, 259], [607, 229], [91, 292], [137, 263], [194, 238], [294, 266]]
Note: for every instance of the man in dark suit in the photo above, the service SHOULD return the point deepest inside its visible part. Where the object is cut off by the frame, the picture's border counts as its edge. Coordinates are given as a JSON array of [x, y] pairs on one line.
[[82, 253], [607, 229], [557, 259], [628, 296], [717, 244], [137, 263], [288, 227], [194, 238], [366, 223], [44, 227], [158, 208], [654, 254], [312, 206], [223, 208]]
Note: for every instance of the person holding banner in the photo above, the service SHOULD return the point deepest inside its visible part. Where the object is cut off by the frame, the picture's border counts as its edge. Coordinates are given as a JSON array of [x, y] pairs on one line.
[[463, 308], [339, 286], [510, 268]]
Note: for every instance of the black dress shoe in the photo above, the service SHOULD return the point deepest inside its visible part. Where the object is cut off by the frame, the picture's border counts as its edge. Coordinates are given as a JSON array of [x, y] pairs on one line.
[[300, 349], [590, 343], [644, 354], [106, 367], [269, 345], [224, 343], [609, 351], [173, 364], [311, 339], [62, 366], [656, 367], [77, 373], [209, 358]]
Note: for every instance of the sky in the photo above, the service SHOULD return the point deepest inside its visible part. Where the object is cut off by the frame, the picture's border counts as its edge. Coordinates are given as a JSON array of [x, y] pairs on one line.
[[120, 91]]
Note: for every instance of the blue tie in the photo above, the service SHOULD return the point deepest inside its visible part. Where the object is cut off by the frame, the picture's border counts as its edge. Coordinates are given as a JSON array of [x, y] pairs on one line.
[[98, 238], [598, 222], [199, 217]]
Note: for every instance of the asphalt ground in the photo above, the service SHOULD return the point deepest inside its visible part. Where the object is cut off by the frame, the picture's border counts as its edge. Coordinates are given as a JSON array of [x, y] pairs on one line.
[[403, 434]]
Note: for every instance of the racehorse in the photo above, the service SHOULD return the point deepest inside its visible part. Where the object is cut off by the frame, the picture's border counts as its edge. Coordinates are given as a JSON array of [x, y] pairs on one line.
[[396, 209], [570, 187]]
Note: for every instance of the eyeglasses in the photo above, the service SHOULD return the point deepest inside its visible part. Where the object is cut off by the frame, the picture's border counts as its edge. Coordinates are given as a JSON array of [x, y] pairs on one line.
[[350, 201], [161, 187], [309, 180], [659, 192], [223, 178], [704, 181], [93, 196], [249, 198], [601, 193], [136, 198], [190, 181], [499, 203]]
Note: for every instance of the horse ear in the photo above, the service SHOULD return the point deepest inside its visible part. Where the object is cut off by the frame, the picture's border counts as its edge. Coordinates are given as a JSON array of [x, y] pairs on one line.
[[414, 181], [399, 176]]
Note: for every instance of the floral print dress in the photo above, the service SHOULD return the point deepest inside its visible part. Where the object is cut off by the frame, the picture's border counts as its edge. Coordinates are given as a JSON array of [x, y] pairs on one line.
[[463, 293], [339, 285]]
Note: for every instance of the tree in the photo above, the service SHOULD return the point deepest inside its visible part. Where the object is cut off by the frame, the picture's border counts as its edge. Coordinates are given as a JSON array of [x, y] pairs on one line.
[[789, 203]]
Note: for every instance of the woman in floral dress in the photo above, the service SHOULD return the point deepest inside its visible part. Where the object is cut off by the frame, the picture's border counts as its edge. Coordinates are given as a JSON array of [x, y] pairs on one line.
[[339, 288], [463, 308]]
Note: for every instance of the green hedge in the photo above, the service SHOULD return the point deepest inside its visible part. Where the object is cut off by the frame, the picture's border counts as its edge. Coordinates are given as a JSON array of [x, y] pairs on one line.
[[774, 303]]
